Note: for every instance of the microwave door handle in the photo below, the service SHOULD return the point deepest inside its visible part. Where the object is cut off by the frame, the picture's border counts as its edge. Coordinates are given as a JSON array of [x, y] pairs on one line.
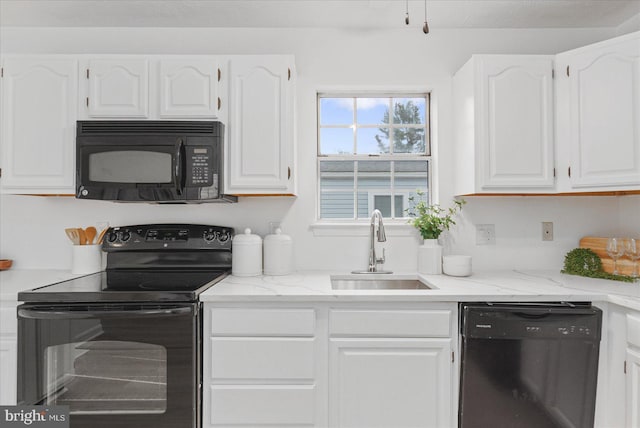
[[181, 166]]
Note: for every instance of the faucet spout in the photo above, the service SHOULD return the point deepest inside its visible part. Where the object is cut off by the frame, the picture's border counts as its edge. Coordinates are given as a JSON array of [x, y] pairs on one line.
[[376, 231]]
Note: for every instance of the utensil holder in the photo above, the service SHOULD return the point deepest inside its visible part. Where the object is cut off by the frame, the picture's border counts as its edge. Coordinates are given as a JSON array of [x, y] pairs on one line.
[[86, 259]]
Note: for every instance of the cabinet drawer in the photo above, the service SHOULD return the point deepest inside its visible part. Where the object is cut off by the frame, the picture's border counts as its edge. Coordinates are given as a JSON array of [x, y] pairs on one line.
[[633, 330], [262, 322], [390, 323], [274, 405], [259, 359], [8, 321]]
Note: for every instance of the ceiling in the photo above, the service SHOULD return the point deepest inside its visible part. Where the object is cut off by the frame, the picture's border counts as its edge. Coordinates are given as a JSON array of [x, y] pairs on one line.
[[347, 14]]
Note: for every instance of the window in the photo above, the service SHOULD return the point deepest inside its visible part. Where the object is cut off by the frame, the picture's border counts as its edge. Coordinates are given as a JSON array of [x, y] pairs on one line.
[[370, 158]]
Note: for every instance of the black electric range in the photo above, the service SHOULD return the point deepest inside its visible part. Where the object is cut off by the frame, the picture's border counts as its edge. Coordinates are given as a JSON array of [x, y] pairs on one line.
[[149, 263], [123, 347]]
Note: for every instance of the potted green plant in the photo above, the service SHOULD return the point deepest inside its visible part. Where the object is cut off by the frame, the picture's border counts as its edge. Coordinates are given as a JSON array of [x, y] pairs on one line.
[[431, 220]]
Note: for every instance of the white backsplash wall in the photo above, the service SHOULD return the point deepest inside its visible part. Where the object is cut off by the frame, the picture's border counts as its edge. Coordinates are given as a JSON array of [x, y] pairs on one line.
[[31, 228]]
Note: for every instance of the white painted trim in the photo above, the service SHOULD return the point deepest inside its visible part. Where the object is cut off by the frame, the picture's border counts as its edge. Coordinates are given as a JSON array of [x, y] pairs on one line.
[[361, 228]]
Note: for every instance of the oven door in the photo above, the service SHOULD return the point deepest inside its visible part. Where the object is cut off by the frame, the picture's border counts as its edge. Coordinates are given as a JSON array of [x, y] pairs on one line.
[[116, 365]]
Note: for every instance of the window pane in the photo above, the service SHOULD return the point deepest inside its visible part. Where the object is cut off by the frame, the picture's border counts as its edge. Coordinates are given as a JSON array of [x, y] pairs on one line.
[[336, 205], [336, 111], [372, 111], [409, 110], [399, 208], [374, 178], [336, 175], [408, 140], [336, 141], [411, 175], [383, 203], [373, 140]]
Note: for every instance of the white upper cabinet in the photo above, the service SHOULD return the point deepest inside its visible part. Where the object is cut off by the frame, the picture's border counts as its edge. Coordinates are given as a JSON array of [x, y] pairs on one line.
[[600, 88], [260, 148], [39, 109], [151, 87], [189, 88], [504, 128], [118, 87]]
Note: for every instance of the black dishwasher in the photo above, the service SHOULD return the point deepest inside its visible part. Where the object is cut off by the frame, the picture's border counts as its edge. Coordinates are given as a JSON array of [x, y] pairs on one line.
[[529, 365]]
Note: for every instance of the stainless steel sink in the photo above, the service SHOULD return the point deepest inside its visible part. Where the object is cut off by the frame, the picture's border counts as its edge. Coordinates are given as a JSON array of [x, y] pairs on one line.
[[377, 284]]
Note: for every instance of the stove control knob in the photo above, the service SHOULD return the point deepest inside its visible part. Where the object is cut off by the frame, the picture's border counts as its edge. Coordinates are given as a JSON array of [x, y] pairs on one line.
[[111, 237], [125, 235], [224, 236], [209, 236]]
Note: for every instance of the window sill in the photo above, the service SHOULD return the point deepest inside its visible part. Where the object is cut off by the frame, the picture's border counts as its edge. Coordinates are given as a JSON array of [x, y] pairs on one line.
[[361, 228]]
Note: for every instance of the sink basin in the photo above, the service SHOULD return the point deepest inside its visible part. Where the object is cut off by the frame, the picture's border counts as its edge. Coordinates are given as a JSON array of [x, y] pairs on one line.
[[377, 284]]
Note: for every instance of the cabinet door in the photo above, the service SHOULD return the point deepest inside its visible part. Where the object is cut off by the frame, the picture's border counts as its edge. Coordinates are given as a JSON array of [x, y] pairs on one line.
[[260, 148], [189, 88], [8, 367], [605, 111], [390, 383], [633, 388], [39, 107], [118, 88], [515, 123]]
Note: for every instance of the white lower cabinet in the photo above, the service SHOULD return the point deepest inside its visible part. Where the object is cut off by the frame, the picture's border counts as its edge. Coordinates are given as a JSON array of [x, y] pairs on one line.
[[390, 383], [352, 365], [632, 370], [8, 353], [260, 367], [619, 383]]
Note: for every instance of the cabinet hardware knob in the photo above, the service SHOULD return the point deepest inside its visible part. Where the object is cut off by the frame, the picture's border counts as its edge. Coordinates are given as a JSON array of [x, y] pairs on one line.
[[289, 173], [219, 103], [288, 74], [219, 75], [569, 172]]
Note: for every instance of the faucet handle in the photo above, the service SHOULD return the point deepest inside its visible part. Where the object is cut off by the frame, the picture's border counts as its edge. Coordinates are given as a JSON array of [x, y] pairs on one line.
[[381, 260]]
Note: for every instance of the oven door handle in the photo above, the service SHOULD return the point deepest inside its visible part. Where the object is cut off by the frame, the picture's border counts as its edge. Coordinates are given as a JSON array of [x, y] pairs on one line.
[[56, 314]]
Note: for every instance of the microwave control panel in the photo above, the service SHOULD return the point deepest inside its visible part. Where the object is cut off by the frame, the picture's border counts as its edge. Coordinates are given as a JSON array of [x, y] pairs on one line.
[[199, 166]]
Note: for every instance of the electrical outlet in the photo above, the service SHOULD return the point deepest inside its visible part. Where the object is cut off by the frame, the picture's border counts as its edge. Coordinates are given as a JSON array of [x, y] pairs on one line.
[[547, 231], [485, 234]]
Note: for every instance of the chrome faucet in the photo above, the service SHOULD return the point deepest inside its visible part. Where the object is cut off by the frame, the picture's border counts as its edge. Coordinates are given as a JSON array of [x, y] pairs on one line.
[[381, 237]]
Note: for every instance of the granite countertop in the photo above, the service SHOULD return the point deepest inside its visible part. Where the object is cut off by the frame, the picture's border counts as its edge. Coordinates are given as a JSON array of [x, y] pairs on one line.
[[505, 285]]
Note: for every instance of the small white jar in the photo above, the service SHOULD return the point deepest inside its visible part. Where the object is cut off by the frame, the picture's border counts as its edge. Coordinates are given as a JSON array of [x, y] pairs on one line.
[[456, 265], [278, 254], [246, 254]]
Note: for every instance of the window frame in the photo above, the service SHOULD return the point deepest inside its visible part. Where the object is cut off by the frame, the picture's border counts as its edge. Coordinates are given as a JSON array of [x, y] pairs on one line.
[[391, 156]]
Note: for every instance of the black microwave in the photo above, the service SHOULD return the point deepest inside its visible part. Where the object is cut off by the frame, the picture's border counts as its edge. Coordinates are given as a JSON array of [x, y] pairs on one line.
[[150, 161]]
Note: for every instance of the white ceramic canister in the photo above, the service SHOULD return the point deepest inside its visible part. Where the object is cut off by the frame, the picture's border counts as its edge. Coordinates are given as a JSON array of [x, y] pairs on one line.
[[246, 254], [430, 257], [278, 254]]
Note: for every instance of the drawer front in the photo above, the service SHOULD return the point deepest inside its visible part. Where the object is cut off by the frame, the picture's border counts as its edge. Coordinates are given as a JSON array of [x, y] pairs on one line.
[[633, 330], [273, 405], [8, 321], [390, 323], [259, 359], [262, 322]]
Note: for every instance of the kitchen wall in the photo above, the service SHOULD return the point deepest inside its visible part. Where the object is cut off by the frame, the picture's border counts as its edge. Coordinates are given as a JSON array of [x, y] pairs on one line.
[[31, 228]]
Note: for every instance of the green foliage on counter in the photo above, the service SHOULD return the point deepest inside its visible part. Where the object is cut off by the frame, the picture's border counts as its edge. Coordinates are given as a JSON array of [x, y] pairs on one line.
[[431, 220], [584, 262]]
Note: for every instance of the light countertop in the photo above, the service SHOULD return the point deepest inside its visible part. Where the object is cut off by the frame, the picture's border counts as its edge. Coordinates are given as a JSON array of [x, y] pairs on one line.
[[505, 285]]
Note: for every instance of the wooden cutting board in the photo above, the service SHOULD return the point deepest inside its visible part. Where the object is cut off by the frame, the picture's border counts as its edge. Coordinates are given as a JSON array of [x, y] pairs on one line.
[[599, 246]]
